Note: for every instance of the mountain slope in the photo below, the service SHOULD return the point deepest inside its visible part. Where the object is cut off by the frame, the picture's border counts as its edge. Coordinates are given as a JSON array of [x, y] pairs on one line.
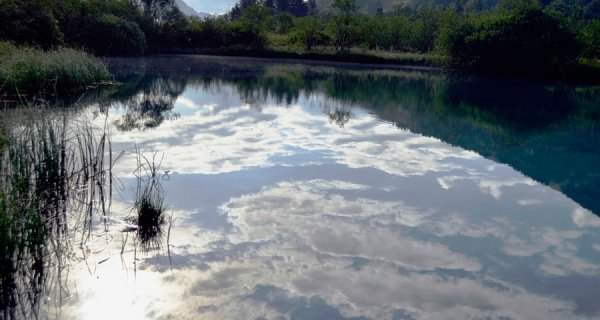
[[591, 8], [189, 11]]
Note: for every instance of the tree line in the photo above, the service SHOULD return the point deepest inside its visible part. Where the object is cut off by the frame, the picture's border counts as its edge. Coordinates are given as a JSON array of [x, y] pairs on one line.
[[507, 35]]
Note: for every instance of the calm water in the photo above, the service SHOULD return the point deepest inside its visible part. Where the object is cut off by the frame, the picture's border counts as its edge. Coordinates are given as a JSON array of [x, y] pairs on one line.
[[310, 191]]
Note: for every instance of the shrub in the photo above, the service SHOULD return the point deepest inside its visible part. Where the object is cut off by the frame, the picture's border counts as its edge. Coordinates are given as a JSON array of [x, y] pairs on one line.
[[308, 32], [29, 22], [111, 35], [240, 34], [526, 42], [591, 39]]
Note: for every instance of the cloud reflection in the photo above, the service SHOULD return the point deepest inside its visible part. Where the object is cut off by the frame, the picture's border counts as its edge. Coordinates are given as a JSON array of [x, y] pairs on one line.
[[431, 231]]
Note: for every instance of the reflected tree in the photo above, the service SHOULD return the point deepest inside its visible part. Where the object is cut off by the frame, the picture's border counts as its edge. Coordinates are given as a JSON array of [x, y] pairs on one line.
[[510, 121], [339, 116], [151, 105], [475, 113]]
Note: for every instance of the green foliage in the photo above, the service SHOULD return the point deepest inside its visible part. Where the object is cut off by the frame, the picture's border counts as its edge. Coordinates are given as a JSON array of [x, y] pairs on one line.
[[308, 32], [297, 8], [488, 35], [255, 19], [207, 33], [345, 6], [424, 30], [343, 25], [591, 39], [371, 33], [526, 41], [398, 32], [111, 35], [518, 5], [248, 31], [283, 23], [29, 22], [34, 71]]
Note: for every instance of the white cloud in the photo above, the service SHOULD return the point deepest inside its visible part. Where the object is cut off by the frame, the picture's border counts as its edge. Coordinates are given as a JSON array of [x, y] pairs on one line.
[[584, 218]]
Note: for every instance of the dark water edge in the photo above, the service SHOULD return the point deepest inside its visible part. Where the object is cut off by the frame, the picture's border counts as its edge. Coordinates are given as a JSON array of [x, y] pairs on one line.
[[580, 73]]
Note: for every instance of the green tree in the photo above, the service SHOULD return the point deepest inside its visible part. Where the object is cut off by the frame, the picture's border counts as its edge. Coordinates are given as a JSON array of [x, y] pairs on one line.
[[308, 31], [256, 18], [528, 41], [372, 32], [517, 5], [250, 29], [343, 24], [283, 22], [29, 22], [591, 39], [398, 31], [111, 35]]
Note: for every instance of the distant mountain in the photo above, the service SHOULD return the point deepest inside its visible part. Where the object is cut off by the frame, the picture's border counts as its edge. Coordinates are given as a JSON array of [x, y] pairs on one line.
[[189, 11]]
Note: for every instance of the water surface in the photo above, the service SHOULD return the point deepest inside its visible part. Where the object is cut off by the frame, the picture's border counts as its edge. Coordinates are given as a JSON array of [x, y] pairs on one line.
[[321, 191]]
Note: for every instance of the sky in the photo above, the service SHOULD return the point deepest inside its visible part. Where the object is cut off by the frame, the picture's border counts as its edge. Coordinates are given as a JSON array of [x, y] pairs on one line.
[[211, 6]]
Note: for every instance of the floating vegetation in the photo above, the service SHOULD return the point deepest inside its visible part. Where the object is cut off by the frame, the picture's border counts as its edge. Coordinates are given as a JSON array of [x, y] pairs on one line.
[[52, 172]]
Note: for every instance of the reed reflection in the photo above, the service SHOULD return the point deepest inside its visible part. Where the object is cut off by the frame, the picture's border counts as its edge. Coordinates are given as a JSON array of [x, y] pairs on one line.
[[54, 182]]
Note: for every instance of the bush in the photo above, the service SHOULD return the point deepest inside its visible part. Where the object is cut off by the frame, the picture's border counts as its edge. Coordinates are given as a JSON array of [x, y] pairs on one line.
[[591, 39], [34, 71], [283, 23], [308, 32], [238, 34], [111, 35], [29, 22], [524, 42], [205, 33]]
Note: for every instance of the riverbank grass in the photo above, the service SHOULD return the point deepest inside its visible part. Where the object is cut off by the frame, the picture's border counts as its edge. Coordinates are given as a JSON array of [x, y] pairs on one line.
[[35, 72]]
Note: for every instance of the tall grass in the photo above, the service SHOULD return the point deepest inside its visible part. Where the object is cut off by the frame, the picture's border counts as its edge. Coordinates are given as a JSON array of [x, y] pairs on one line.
[[34, 72], [49, 176]]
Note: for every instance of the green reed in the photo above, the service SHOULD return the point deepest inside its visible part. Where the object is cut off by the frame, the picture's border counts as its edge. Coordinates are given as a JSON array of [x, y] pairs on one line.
[[35, 72], [52, 172]]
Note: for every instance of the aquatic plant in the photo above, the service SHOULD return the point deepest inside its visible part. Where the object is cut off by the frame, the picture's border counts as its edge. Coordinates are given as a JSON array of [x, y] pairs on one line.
[[45, 183], [149, 202]]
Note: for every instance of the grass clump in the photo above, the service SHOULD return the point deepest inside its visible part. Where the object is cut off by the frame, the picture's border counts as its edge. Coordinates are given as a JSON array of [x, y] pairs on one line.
[[150, 218], [149, 203], [30, 71]]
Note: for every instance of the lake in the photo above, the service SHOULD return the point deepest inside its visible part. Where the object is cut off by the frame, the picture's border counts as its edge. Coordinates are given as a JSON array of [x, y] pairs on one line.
[[308, 190]]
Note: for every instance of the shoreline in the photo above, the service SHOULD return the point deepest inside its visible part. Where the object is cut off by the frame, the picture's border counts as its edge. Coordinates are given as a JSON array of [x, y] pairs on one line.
[[582, 73], [354, 58]]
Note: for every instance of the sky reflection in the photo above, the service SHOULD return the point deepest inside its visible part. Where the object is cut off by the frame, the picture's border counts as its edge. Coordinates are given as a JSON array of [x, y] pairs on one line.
[[283, 213]]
